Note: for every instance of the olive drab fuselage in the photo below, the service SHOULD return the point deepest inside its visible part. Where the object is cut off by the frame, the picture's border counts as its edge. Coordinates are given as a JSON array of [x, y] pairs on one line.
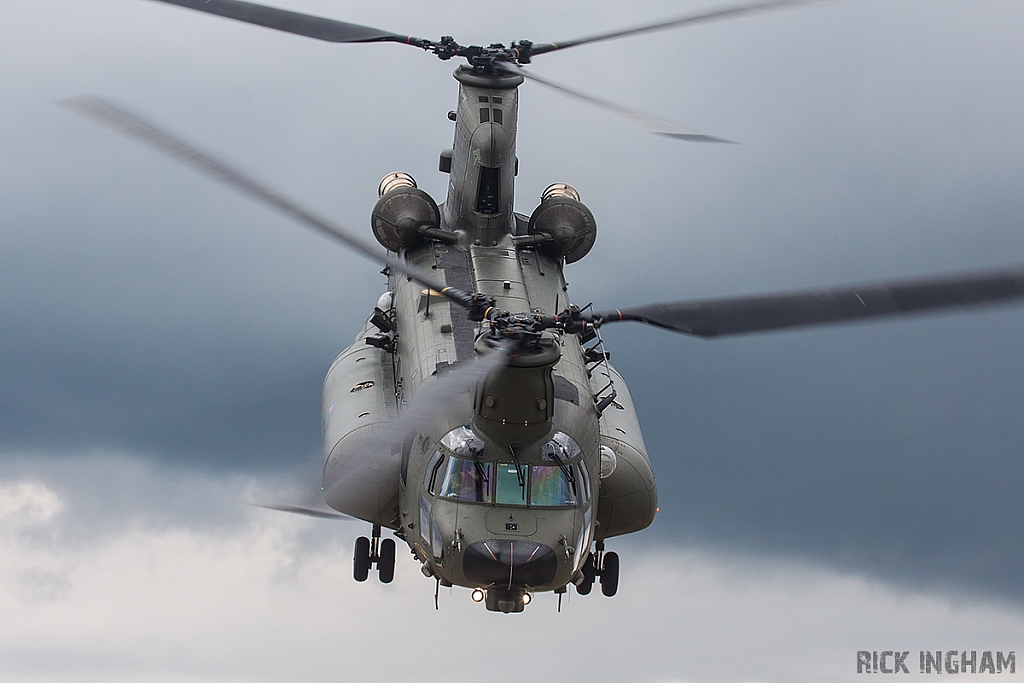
[[501, 487]]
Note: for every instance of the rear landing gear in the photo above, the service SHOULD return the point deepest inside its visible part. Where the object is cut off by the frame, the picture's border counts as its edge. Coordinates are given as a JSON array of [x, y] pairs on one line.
[[374, 552], [603, 566]]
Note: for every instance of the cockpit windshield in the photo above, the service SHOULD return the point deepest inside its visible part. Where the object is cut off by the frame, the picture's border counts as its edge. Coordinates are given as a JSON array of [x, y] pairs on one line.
[[468, 480], [464, 475], [551, 486]]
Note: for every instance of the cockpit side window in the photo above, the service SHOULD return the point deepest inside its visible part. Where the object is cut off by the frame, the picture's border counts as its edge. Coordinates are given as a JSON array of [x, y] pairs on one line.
[[584, 479], [430, 476]]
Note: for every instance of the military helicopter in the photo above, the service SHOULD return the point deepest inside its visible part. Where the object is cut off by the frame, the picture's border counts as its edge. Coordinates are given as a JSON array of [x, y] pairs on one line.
[[476, 416]]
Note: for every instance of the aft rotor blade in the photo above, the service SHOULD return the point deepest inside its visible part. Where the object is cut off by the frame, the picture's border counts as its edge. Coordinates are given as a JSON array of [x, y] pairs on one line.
[[700, 18], [131, 126], [652, 124], [299, 510], [721, 317], [331, 30]]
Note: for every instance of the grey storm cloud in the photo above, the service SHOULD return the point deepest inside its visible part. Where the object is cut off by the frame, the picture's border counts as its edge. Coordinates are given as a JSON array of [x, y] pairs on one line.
[[146, 312]]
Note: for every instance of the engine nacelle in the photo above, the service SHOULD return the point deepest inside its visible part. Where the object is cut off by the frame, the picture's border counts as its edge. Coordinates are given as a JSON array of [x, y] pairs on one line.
[[562, 225], [404, 215]]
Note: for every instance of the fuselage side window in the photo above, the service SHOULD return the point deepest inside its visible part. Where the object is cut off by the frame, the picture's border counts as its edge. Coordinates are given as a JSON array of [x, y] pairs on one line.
[[425, 518]]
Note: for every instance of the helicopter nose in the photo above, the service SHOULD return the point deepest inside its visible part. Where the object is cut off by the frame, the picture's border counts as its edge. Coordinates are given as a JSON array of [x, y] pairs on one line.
[[509, 564]]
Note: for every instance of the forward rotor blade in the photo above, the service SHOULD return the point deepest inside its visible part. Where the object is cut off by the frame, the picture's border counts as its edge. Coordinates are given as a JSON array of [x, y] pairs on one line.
[[720, 317], [308, 512], [703, 17], [652, 124], [295, 22], [133, 127]]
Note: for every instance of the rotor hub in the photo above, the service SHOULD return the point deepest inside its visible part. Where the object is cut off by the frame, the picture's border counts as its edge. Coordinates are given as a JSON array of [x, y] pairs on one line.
[[522, 330]]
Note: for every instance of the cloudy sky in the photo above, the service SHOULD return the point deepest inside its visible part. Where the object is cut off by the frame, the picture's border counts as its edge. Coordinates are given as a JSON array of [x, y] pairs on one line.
[[162, 342]]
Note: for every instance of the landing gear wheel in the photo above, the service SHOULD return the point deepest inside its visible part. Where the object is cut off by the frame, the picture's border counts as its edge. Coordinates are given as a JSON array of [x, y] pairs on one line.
[[361, 559], [589, 574], [610, 574], [386, 561]]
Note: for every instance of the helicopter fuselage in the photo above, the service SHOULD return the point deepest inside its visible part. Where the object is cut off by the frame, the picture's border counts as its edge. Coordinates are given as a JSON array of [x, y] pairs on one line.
[[505, 486]]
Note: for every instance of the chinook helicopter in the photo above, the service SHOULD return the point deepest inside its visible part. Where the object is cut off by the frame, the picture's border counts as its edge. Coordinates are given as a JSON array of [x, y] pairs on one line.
[[476, 416]]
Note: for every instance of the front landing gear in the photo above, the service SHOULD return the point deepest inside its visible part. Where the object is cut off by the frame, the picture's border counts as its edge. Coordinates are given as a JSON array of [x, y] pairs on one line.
[[610, 574], [376, 551], [603, 566]]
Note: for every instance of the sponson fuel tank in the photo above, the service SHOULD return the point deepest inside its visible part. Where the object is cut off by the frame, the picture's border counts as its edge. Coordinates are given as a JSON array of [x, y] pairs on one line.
[[360, 476], [629, 497]]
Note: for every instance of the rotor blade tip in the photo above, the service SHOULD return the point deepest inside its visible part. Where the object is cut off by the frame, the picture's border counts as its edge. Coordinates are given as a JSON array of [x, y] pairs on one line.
[[299, 510], [696, 137], [77, 104], [83, 102]]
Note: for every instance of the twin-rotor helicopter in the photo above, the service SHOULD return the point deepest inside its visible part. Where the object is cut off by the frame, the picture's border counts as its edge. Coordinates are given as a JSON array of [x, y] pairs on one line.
[[476, 416]]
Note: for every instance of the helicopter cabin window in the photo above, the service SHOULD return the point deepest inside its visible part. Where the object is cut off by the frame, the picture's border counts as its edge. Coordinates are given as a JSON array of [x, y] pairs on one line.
[[483, 98], [497, 116], [496, 100], [485, 114], [468, 480]]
